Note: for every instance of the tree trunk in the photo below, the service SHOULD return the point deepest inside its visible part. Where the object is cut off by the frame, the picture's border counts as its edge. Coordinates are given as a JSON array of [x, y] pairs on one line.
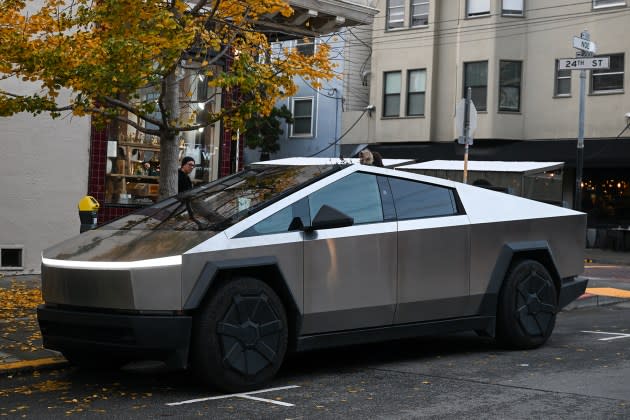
[[169, 147]]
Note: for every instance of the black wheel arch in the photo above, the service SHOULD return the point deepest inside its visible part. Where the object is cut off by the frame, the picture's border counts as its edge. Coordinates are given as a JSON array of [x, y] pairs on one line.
[[510, 253], [266, 269]]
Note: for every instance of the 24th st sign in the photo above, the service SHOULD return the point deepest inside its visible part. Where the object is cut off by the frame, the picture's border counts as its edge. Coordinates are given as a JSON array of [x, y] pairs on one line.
[[586, 63]]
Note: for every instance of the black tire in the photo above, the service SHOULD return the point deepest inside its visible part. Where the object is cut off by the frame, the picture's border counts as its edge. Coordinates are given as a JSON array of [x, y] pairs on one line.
[[240, 336], [527, 307]]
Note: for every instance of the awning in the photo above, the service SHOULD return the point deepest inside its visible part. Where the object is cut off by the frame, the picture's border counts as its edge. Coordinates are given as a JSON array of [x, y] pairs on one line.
[[598, 153]]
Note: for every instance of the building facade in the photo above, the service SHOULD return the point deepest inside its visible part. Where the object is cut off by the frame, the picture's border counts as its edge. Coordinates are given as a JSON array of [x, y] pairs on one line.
[[426, 54], [42, 179], [316, 110]]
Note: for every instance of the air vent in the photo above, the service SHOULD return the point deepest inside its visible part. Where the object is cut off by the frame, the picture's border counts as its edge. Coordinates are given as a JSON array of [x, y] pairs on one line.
[[11, 257]]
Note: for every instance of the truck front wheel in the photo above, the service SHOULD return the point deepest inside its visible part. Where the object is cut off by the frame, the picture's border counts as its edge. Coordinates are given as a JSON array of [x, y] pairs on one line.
[[240, 336]]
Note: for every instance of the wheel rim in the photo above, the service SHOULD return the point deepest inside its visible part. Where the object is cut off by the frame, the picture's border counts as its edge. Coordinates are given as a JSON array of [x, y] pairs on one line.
[[535, 304], [250, 333]]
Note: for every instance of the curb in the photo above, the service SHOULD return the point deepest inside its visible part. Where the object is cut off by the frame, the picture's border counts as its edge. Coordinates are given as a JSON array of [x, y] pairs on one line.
[[32, 365], [589, 300]]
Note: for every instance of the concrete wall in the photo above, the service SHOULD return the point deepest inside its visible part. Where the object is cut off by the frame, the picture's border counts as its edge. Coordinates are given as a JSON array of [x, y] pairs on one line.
[[44, 173]]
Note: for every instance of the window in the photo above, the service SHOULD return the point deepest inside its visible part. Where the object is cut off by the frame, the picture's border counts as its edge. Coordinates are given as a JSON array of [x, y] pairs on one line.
[[477, 8], [512, 7], [416, 87], [415, 200], [608, 3], [510, 86], [563, 81], [302, 117], [391, 100], [611, 79], [356, 195], [419, 12], [476, 77], [395, 14], [306, 46], [285, 220]]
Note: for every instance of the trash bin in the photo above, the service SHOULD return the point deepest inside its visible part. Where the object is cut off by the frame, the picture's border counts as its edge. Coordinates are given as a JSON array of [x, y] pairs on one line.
[[88, 212]]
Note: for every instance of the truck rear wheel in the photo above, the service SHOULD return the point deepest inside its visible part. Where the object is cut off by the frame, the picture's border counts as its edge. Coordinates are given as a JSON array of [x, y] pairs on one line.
[[240, 336], [527, 306]]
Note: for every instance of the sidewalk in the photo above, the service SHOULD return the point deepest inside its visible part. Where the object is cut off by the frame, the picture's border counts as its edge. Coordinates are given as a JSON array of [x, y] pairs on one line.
[[20, 339], [21, 345]]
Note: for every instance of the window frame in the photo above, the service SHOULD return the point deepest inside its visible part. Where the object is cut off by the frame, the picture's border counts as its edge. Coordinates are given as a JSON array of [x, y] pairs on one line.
[[608, 72], [557, 78], [477, 106], [388, 95], [312, 116], [603, 4], [502, 85], [477, 14], [388, 18], [417, 3], [301, 45], [409, 93], [512, 12]]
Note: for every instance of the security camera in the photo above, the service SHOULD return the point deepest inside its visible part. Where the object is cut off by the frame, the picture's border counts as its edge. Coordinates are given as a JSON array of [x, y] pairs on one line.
[[372, 108], [628, 115]]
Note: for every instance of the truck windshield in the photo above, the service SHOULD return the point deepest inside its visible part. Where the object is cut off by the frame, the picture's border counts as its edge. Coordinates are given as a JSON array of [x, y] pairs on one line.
[[224, 202]]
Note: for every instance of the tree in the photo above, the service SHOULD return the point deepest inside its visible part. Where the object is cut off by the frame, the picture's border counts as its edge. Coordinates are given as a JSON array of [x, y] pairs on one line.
[[110, 53], [263, 132]]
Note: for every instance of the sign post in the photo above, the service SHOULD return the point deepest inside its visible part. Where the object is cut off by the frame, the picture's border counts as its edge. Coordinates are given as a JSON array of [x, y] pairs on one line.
[[466, 123], [583, 61]]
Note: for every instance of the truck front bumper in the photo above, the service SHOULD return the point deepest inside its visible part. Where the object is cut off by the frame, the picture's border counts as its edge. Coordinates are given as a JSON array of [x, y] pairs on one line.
[[136, 336]]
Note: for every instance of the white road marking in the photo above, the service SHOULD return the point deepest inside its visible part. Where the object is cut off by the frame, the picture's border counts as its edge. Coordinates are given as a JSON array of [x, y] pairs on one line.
[[246, 395], [616, 335]]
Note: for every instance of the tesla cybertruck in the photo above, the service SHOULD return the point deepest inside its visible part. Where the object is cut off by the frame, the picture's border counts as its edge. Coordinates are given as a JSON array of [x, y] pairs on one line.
[[225, 279]]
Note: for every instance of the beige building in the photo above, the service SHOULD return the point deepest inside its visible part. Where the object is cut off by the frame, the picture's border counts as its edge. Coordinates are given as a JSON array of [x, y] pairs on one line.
[[426, 53]]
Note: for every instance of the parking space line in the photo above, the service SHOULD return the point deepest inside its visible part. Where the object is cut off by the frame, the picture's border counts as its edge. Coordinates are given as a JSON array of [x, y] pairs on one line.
[[246, 395], [250, 397], [615, 336]]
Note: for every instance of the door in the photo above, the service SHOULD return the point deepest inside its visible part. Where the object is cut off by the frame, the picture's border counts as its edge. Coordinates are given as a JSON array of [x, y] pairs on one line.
[[350, 272], [434, 252]]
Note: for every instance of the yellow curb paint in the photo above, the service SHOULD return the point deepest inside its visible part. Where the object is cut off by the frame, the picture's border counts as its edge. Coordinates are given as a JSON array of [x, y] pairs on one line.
[[31, 363], [609, 291]]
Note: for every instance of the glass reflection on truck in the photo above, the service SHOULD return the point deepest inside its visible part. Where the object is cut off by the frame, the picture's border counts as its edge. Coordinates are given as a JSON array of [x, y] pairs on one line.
[[220, 204]]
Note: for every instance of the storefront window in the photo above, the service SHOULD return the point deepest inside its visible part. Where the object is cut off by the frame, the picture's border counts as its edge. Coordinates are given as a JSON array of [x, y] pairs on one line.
[[606, 197], [132, 166]]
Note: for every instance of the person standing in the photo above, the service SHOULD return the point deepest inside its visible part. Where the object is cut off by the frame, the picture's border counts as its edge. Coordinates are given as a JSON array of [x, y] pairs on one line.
[[183, 174]]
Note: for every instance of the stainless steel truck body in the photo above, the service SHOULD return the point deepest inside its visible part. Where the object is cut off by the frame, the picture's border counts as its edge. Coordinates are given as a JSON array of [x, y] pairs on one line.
[[226, 278]]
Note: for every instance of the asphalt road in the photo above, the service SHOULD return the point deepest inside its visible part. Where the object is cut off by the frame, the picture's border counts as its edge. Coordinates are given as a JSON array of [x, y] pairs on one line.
[[583, 372]]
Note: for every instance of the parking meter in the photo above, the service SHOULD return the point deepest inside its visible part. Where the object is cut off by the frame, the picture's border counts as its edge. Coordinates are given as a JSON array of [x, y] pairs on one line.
[[88, 212]]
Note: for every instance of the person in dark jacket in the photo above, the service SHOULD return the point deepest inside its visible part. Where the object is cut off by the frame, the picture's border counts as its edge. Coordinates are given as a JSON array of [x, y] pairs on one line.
[[183, 174]]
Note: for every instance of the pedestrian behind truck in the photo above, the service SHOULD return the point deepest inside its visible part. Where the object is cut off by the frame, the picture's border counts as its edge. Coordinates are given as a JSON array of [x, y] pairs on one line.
[[367, 157]]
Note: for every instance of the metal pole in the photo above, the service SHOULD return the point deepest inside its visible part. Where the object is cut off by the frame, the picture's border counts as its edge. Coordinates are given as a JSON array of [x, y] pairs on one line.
[[467, 132], [579, 162], [238, 139], [579, 165]]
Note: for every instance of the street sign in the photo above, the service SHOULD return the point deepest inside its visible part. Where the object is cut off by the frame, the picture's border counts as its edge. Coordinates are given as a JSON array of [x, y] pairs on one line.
[[584, 44], [460, 111], [584, 63]]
